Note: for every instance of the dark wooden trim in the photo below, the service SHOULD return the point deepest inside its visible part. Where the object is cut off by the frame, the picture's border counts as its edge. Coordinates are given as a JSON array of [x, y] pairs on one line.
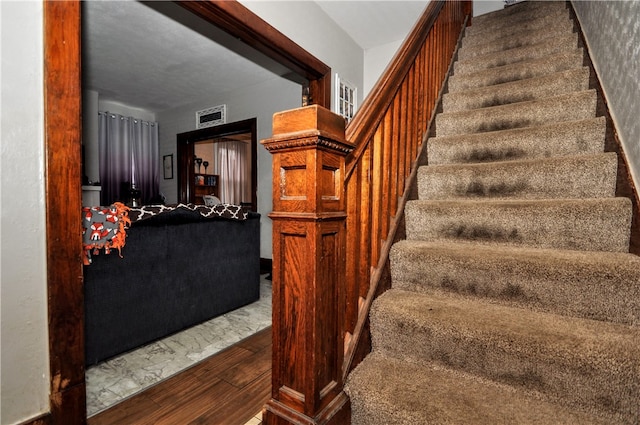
[[625, 186], [63, 201], [62, 114], [240, 22]]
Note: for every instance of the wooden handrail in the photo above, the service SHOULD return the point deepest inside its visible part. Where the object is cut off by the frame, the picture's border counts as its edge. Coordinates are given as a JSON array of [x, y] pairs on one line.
[[338, 195]]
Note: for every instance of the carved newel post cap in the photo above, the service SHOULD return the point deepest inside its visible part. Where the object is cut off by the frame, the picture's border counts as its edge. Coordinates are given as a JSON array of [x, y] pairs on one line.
[[308, 122]]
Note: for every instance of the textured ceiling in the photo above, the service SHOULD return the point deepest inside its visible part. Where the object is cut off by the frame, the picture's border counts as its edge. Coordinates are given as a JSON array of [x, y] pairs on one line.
[[158, 56]]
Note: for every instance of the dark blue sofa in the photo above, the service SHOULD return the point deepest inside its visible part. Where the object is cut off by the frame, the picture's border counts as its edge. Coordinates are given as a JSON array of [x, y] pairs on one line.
[[178, 269]]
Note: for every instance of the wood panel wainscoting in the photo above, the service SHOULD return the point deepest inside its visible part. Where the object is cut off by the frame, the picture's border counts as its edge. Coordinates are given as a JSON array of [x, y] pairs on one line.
[[338, 195]]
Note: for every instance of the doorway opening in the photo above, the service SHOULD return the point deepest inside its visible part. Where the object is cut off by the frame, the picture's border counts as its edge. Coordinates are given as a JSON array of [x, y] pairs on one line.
[[62, 81]]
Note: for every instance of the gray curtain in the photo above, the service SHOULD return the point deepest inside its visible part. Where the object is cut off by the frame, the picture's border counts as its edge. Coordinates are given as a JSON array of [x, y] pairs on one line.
[[128, 156], [234, 168]]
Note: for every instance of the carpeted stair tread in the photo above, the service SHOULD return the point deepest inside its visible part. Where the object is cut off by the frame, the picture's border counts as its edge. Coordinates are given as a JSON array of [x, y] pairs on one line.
[[473, 47], [569, 107], [592, 285], [525, 21], [578, 224], [558, 62], [514, 298], [559, 83], [581, 363], [557, 139], [524, 10], [581, 176], [385, 391], [565, 43], [514, 35]]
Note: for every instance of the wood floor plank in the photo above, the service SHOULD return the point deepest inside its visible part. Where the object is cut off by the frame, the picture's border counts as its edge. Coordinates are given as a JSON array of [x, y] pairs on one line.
[[241, 375], [183, 410], [252, 398], [134, 411], [227, 388], [258, 341]]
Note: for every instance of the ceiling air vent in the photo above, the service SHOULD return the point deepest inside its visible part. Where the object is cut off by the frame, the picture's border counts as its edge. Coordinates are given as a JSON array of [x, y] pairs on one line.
[[211, 116]]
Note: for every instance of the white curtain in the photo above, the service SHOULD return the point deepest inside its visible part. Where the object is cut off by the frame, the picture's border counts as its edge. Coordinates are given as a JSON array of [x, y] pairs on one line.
[[234, 168], [128, 149]]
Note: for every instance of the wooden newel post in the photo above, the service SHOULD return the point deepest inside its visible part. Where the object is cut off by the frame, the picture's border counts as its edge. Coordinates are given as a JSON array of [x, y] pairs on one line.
[[309, 149]]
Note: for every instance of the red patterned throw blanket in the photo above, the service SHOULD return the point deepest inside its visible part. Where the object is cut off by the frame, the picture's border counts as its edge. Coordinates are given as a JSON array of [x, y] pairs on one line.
[[105, 227]]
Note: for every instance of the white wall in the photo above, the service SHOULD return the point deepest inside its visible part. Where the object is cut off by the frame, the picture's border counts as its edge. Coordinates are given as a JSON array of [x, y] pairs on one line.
[[612, 31], [24, 389], [376, 61], [480, 7], [311, 28], [259, 101]]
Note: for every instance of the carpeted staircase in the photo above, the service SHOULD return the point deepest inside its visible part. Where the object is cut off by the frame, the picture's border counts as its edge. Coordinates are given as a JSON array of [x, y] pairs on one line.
[[514, 299]]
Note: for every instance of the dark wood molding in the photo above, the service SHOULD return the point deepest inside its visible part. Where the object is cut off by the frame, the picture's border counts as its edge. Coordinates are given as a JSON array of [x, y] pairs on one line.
[[62, 114], [240, 22], [63, 201]]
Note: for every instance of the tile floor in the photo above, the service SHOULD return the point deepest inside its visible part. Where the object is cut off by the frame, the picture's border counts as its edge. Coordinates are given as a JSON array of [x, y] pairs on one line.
[[121, 377]]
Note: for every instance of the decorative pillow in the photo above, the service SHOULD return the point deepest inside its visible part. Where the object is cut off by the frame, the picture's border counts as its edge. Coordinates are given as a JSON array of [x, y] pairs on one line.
[[104, 227]]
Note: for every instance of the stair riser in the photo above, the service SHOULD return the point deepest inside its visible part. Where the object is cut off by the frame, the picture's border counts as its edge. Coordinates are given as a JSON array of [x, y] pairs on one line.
[[598, 287], [518, 71], [573, 107], [561, 139], [539, 19], [506, 57], [572, 177], [561, 25], [561, 366], [518, 91], [473, 48], [583, 225]]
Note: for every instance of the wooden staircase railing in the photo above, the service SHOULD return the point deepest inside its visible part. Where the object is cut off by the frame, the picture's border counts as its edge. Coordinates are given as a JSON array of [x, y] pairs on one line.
[[338, 197]]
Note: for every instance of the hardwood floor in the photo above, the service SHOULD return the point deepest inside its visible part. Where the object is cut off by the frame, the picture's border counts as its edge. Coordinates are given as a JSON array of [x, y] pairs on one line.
[[228, 388]]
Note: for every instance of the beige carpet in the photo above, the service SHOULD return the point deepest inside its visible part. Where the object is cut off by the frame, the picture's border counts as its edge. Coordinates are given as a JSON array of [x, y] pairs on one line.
[[514, 299]]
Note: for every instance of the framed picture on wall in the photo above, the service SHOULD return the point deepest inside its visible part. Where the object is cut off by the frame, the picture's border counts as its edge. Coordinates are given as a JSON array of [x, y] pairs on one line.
[[167, 166]]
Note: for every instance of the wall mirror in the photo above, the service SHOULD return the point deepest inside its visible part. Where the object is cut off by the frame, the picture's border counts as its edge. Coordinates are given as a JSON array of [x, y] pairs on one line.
[[220, 162]]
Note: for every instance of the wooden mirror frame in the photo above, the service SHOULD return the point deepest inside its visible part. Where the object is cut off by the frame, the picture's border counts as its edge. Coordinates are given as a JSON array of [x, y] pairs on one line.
[[185, 163]]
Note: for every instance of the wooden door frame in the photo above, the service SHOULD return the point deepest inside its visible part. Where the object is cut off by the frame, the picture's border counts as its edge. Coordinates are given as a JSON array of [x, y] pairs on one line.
[[63, 196], [185, 142]]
